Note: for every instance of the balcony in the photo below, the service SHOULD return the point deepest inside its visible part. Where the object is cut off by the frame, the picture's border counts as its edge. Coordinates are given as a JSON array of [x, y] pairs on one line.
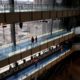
[[30, 12]]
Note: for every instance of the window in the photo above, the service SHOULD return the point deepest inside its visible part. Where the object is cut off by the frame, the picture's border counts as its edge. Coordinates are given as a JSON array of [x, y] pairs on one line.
[[5, 34]]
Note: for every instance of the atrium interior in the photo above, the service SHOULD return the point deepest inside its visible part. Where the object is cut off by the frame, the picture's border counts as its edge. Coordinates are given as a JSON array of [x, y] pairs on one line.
[[39, 39]]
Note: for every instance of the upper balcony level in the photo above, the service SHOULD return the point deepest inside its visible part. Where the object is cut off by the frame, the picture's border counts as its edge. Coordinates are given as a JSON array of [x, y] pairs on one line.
[[7, 8], [30, 12]]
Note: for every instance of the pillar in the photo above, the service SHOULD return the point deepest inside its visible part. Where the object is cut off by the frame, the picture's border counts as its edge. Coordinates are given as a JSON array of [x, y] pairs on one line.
[[13, 33], [51, 26]]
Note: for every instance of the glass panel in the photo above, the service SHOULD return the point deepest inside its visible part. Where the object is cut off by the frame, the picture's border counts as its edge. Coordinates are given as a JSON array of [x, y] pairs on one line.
[[40, 31], [4, 6], [5, 34], [38, 5]]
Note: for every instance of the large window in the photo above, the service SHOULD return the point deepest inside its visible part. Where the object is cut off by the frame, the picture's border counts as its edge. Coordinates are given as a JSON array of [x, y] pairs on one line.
[[4, 6], [5, 34], [29, 29], [36, 28], [33, 5]]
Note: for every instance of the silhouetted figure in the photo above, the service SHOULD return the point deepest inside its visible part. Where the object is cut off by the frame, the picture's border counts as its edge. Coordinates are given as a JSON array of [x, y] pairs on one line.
[[24, 61], [36, 38], [50, 48], [16, 64], [10, 68], [61, 48], [32, 39], [35, 60], [39, 54], [31, 57]]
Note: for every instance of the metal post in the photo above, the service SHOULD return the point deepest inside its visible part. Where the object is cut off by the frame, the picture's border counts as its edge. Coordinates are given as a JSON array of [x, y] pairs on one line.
[[13, 34], [11, 3], [3, 35], [51, 26], [53, 3]]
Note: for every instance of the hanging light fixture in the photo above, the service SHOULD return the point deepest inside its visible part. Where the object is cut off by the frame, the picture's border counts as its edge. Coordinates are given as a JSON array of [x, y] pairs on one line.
[[44, 21], [4, 26]]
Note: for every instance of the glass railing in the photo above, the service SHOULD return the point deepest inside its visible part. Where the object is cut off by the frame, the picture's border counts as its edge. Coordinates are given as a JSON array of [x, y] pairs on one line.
[[40, 65], [30, 7]]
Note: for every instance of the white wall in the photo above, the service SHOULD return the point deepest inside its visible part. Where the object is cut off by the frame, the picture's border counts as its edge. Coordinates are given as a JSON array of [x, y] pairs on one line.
[[77, 30]]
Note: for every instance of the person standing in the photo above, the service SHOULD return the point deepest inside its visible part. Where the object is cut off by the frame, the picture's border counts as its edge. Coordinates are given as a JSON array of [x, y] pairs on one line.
[[24, 61], [36, 38], [32, 39]]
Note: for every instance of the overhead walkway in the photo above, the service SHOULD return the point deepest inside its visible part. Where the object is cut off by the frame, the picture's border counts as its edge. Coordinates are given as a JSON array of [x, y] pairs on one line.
[[31, 13]]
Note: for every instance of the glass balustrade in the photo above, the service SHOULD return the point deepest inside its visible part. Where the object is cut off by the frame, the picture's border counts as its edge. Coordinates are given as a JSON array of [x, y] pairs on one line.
[[6, 8], [41, 29], [41, 64], [37, 5]]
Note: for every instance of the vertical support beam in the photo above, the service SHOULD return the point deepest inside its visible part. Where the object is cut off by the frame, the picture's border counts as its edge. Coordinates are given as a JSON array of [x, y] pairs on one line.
[[53, 3], [51, 26], [13, 33], [11, 2]]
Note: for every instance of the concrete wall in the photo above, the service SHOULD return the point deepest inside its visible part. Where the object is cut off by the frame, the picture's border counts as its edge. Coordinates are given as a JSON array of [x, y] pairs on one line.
[[77, 30]]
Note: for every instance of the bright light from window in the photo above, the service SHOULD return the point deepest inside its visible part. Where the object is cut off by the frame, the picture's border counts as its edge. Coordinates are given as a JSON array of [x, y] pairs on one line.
[[26, 0], [31, 0]]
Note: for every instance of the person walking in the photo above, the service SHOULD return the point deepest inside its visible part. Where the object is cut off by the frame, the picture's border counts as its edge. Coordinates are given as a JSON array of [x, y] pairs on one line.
[[32, 39], [24, 61], [36, 39]]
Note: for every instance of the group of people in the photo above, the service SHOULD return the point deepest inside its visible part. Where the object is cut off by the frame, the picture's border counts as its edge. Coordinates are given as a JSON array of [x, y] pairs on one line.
[[34, 39]]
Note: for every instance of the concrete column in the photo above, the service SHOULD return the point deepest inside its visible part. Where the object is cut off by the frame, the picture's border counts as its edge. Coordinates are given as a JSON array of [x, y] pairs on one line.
[[13, 34], [51, 26], [53, 3]]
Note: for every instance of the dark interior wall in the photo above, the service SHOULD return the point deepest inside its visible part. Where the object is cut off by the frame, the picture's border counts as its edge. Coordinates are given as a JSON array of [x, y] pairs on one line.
[[71, 3], [65, 23], [67, 3], [70, 22], [76, 3], [77, 20]]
